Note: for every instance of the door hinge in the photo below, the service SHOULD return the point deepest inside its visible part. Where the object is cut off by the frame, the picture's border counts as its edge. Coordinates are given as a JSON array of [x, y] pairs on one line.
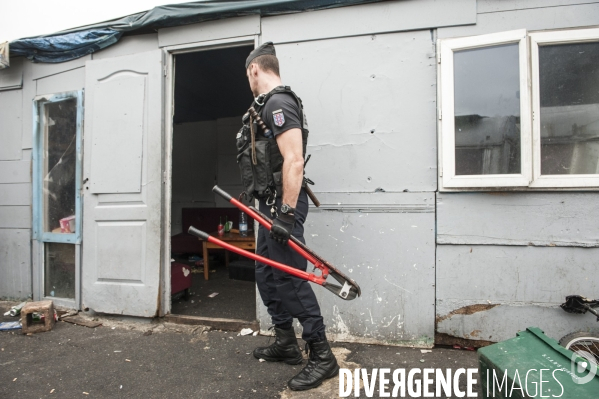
[[164, 69], [440, 113]]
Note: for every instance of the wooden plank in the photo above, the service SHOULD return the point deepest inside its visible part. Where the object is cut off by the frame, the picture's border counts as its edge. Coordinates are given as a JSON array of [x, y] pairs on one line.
[[80, 321], [213, 322], [15, 266], [15, 194], [15, 217], [391, 256], [508, 218], [10, 124], [129, 45], [486, 6], [12, 77], [386, 142], [515, 274], [15, 171], [574, 16], [211, 30], [29, 86], [41, 70], [368, 19], [65, 81], [516, 287]]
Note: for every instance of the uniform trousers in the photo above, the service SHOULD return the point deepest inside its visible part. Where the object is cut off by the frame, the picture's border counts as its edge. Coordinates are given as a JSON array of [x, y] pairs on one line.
[[286, 296]]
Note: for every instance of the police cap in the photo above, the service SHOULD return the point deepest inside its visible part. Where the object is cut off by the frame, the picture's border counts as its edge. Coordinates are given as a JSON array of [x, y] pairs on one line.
[[267, 48]]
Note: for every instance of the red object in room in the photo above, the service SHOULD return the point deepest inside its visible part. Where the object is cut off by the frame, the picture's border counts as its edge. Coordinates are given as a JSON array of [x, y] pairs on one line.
[[180, 278], [203, 219]]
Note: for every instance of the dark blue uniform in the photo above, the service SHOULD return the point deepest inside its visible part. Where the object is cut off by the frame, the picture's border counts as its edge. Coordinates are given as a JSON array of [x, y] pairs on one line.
[[285, 296]]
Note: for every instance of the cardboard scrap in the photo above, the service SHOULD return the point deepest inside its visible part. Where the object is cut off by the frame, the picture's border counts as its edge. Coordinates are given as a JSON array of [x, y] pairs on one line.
[[80, 321]]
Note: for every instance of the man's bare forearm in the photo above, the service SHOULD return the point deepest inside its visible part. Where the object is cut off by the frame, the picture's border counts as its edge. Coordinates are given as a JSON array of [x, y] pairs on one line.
[[293, 174]]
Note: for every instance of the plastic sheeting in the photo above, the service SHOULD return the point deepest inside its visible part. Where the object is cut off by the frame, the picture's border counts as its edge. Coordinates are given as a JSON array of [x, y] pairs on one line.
[[64, 47], [74, 43]]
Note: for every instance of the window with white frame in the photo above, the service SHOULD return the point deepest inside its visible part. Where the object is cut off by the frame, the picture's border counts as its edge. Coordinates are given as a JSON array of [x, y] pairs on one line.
[[520, 109]]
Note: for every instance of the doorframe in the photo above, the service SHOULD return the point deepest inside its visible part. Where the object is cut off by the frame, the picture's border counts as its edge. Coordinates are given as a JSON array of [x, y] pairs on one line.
[[169, 53]]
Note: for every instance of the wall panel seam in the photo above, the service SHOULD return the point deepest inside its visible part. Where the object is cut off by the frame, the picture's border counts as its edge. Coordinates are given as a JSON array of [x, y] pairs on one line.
[[536, 8]]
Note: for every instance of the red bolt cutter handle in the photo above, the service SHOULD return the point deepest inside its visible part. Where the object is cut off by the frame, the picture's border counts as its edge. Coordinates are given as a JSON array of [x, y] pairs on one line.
[[288, 269], [348, 289]]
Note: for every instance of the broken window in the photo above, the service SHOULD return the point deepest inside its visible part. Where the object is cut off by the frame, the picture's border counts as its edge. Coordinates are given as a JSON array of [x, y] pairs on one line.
[[59, 270], [59, 123], [56, 191]]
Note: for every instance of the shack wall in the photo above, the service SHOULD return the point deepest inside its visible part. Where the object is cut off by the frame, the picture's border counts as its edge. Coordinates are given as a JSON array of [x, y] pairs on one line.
[[15, 182], [505, 261]]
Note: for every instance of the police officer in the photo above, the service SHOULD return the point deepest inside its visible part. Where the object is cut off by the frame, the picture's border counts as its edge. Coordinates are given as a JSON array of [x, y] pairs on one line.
[[285, 296]]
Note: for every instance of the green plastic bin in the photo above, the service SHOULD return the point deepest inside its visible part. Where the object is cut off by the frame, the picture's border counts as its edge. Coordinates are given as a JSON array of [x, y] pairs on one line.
[[516, 365]]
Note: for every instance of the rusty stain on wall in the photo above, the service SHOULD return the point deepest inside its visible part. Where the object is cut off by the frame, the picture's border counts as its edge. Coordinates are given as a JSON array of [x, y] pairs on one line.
[[467, 310]]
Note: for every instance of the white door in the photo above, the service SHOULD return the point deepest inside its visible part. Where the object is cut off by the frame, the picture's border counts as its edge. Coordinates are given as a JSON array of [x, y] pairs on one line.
[[122, 184]]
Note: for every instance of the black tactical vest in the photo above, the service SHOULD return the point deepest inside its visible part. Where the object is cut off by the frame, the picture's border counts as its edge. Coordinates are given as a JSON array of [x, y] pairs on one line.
[[258, 156]]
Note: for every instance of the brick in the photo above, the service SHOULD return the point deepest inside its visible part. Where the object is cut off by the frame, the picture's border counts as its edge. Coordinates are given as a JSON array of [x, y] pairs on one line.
[[45, 308]]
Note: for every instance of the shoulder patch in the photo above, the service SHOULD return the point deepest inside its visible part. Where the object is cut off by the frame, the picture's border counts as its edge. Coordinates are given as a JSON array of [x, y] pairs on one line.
[[278, 117]]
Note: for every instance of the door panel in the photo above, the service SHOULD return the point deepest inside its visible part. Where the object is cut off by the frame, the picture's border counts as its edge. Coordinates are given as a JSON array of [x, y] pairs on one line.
[[122, 193], [117, 152]]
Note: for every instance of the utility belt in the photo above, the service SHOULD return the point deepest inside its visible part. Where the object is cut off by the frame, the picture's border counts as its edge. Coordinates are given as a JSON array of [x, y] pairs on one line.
[[259, 158]]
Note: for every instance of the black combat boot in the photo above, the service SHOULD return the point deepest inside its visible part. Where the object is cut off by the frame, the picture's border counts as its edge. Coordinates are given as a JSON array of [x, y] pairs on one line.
[[284, 349], [321, 366]]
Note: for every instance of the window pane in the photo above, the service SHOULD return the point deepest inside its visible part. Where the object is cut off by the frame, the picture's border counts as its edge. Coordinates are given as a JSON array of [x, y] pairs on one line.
[[59, 127], [59, 273], [487, 110], [569, 91]]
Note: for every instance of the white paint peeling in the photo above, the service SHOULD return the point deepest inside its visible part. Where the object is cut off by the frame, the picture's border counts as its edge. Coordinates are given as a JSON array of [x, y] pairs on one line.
[[391, 321], [340, 326], [371, 320], [399, 322]]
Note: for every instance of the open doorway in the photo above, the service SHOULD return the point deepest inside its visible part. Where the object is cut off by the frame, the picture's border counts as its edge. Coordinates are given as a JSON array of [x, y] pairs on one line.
[[211, 94]]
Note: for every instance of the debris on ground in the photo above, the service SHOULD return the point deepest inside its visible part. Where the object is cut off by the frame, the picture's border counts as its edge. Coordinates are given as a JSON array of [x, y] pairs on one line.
[[80, 321], [38, 317], [213, 295], [10, 325], [15, 310], [246, 331], [466, 348], [425, 351]]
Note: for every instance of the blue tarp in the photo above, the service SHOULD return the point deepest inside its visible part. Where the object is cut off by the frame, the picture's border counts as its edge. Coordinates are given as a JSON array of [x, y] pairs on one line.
[[74, 43]]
